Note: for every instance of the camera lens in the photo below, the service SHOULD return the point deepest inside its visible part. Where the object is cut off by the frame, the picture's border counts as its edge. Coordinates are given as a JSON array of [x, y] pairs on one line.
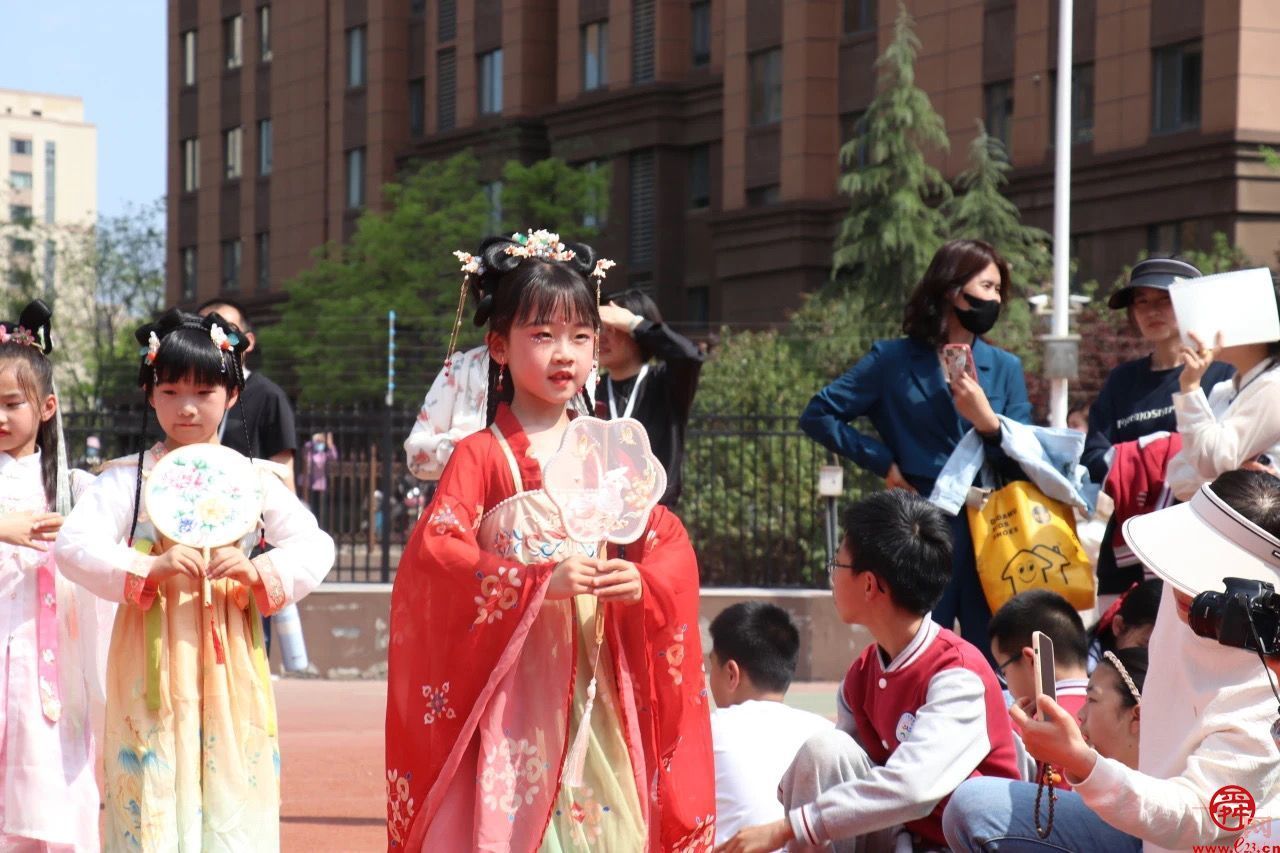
[[1205, 617]]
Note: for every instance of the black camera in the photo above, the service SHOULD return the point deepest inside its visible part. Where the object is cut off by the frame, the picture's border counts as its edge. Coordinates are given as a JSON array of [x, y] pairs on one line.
[[1226, 616]]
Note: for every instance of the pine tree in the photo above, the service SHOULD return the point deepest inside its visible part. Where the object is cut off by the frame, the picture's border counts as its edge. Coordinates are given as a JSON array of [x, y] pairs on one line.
[[893, 227], [980, 211]]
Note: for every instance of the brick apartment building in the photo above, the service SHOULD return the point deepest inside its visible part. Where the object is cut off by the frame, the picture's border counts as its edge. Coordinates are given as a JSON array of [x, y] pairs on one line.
[[722, 121]]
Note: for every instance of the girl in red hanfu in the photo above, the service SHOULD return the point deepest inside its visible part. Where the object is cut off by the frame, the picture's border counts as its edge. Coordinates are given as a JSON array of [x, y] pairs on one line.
[[492, 617]]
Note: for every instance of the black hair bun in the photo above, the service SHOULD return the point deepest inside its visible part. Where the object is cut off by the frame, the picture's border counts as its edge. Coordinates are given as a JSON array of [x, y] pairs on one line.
[[496, 261], [173, 320], [37, 318]]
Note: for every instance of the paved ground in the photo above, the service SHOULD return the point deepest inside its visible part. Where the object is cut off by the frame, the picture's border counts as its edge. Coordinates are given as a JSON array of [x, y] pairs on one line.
[[331, 745]]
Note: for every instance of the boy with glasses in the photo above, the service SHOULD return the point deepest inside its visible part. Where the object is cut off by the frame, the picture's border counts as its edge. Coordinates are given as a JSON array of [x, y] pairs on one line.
[[920, 710]]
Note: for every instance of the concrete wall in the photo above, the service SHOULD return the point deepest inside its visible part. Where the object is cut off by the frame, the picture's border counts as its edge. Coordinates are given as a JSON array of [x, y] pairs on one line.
[[346, 628]]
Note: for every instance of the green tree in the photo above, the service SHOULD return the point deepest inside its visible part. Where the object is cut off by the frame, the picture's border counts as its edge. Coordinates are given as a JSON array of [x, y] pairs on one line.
[[331, 341], [100, 280], [980, 211], [893, 226], [552, 194]]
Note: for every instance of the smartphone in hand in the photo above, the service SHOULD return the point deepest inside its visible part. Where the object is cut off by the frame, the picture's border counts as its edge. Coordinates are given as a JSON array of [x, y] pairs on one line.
[[957, 359], [1046, 677]]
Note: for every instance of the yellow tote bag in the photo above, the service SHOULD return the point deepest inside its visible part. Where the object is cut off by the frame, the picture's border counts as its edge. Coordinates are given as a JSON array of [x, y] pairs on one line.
[[1023, 540]]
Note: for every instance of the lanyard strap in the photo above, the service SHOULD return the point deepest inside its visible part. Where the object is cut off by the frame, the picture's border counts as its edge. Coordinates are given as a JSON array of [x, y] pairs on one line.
[[631, 401]]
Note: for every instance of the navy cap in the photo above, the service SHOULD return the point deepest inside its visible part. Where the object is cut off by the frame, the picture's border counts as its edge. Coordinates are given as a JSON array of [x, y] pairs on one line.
[[1157, 273]]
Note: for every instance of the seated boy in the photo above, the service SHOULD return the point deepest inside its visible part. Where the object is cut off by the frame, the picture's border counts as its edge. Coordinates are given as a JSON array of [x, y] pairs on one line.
[[753, 659], [920, 709], [1049, 613]]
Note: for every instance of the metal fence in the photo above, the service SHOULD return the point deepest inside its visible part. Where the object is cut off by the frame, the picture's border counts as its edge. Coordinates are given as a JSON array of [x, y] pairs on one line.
[[750, 489]]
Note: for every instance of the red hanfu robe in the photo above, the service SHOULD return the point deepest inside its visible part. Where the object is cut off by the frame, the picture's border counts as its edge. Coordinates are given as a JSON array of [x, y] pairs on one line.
[[482, 667]]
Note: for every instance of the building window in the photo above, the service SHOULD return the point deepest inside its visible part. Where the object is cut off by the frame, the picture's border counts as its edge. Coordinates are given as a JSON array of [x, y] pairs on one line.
[[489, 81], [189, 58], [416, 106], [230, 265], [700, 32], [766, 87], [190, 165], [355, 57], [20, 180], [264, 33], [417, 8], [447, 20], [262, 249], [233, 41], [1166, 239], [20, 146], [763, 196], [595, 50], [698, 304], [642, 208], [19, 246], [232, 149], [597, 200], [852, 126], [1175, 89], [1081, 105], [265, 145], [998, 108], [446, 89], [355, 178], [700, 176], [493, 197], [642, 40], [859, 15], [188, 273], [20, 214]]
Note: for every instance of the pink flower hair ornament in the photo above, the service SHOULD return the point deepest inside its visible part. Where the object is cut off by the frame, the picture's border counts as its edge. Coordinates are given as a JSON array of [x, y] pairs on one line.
[[19, 335]]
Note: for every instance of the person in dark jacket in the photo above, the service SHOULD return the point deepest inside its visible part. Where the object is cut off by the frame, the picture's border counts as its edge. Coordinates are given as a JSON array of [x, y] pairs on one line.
[[920, 414], [1136, 399], [652, 377]]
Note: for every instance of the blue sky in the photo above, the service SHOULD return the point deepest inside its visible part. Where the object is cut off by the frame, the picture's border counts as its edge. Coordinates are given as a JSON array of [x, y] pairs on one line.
[[111, 53]]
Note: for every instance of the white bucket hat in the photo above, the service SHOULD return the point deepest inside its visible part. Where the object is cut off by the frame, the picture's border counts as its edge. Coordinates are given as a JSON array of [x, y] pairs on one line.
[[1196, 544]]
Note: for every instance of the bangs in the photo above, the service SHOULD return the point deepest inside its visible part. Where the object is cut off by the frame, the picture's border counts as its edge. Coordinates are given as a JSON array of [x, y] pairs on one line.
[[31, 369], [557, 294], [190, 354]]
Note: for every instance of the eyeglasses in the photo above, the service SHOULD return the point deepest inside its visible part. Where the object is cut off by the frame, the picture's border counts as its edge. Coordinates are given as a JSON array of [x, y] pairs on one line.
[[1000, 668], [832, 565]]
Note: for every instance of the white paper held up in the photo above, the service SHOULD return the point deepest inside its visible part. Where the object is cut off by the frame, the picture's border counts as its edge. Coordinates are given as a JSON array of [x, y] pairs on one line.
[[1241, 305]]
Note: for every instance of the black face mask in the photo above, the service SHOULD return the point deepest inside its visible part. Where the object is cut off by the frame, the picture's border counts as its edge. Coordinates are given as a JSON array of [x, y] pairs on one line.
[[980, 316]]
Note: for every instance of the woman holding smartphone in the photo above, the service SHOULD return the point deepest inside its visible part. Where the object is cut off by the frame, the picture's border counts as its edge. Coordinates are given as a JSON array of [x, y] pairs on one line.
[[924, 391]]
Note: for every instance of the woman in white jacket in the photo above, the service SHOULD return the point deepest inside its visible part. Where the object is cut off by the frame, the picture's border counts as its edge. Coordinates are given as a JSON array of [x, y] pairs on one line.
[[1235, 424]]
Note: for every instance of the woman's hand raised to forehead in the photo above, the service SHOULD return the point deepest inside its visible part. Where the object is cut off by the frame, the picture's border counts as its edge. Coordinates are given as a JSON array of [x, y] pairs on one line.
[[1196, 360], [616, 317]]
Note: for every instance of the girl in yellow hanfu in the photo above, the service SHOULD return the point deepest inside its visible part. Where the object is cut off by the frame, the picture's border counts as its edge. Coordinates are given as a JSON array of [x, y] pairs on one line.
[[190, 749]]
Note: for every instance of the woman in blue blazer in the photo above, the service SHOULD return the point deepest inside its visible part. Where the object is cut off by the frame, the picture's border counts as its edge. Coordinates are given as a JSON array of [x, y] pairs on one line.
[[919, 414]]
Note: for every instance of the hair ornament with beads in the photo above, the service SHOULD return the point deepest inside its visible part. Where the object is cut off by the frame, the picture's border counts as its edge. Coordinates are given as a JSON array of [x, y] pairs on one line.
[[500, 255], [541, 244]]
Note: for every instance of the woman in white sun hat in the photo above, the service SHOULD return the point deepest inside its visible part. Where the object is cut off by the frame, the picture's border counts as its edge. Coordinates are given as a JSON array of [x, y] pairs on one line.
[[1207, 709]]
